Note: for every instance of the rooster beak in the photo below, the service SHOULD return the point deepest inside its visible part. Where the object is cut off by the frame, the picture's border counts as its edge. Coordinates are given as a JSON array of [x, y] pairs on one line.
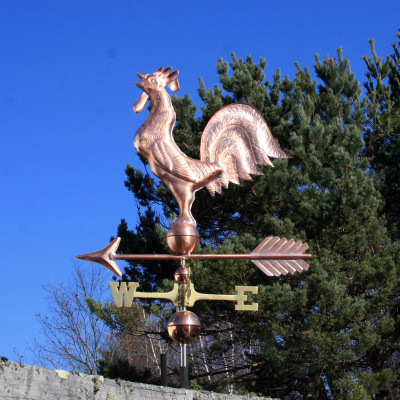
[[142, 77], [141, 103]]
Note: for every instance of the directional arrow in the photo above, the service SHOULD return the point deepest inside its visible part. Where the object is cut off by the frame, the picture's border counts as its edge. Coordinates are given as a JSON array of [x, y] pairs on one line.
[[274, 256]]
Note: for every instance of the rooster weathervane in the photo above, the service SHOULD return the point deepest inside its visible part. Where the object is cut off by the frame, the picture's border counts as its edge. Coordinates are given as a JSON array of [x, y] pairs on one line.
[[234, 142]]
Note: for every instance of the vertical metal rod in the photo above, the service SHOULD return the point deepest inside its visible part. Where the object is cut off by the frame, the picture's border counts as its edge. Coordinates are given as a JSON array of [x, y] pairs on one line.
[[163, 361], [184, 370]]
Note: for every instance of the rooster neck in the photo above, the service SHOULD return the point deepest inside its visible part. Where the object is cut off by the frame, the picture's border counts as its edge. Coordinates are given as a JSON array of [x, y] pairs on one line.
[[161, 101], [159, 123], [162, 116]]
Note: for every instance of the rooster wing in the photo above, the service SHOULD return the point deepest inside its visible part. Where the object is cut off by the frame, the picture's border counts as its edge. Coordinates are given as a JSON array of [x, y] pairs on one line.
[[171, 159], [238, 138]]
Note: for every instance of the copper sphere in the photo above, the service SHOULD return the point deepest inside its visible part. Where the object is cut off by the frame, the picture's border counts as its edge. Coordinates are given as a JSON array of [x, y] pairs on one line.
[[184, 327], [183, 238], [182, 275]]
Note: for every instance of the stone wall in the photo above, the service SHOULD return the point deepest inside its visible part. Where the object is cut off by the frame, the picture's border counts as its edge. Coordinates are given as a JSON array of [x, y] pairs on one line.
[[27, 382]]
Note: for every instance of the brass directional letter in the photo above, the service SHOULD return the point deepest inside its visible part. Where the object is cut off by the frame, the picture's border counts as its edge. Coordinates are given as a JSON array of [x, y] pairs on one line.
[[121, 290], [241, 298], [125, 292]]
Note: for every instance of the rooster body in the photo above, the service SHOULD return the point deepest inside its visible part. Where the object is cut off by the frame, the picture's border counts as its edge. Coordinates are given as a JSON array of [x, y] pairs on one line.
[[234, 141]]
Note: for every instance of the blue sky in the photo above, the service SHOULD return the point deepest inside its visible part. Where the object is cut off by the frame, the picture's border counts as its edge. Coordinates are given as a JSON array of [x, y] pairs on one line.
[[66, 121]]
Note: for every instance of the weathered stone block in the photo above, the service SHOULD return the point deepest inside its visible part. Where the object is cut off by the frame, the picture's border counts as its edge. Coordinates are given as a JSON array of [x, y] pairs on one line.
[[28, 382]]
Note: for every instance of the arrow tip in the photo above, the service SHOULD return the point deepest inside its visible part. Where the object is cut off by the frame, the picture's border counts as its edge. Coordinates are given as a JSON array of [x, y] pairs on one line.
[[104, 256]]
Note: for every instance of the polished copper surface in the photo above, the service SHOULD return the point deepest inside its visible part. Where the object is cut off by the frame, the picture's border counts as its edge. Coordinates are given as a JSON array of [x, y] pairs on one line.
[[251, 256], [184, 327], [104, 256], [183, 238], [238, 138], [281, 266], [234, 142], [274, 256], [182, 275]]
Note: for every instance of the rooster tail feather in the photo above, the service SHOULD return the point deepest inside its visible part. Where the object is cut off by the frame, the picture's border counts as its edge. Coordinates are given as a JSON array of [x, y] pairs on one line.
[[238, 138]]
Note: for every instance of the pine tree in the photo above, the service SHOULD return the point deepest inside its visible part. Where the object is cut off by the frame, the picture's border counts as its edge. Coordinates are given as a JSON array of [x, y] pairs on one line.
[[331, 331], [326, 333], [382, 134]]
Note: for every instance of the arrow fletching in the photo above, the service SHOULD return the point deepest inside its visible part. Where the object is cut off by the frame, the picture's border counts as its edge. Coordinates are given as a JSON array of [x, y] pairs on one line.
[[275, 244]]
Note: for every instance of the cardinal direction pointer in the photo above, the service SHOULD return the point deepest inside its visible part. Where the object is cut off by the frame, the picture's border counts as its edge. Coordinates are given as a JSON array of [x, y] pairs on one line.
[[274, 256], [181, 295]]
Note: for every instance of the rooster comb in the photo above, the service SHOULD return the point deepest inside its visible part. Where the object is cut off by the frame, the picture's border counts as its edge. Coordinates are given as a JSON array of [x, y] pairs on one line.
[[164, 72]]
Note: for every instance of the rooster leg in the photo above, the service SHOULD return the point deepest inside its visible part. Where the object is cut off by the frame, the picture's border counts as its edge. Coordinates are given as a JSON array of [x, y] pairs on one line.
[[185, 208], [184, 195], [182, 190]]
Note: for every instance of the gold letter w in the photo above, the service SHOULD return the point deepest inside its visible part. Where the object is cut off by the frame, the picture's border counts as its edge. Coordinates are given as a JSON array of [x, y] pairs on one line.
[[124, 291]]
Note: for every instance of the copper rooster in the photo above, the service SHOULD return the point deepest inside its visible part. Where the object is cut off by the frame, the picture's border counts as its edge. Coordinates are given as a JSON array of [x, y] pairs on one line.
[[234, 141]]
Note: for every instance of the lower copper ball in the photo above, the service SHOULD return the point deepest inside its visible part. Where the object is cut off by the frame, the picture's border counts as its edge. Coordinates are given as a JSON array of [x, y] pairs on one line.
[[183, 238], [184, 327], [182, 275]]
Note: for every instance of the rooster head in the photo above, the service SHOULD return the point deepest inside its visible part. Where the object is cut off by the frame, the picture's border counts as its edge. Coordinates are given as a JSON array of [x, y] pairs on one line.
[[151, 83]]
